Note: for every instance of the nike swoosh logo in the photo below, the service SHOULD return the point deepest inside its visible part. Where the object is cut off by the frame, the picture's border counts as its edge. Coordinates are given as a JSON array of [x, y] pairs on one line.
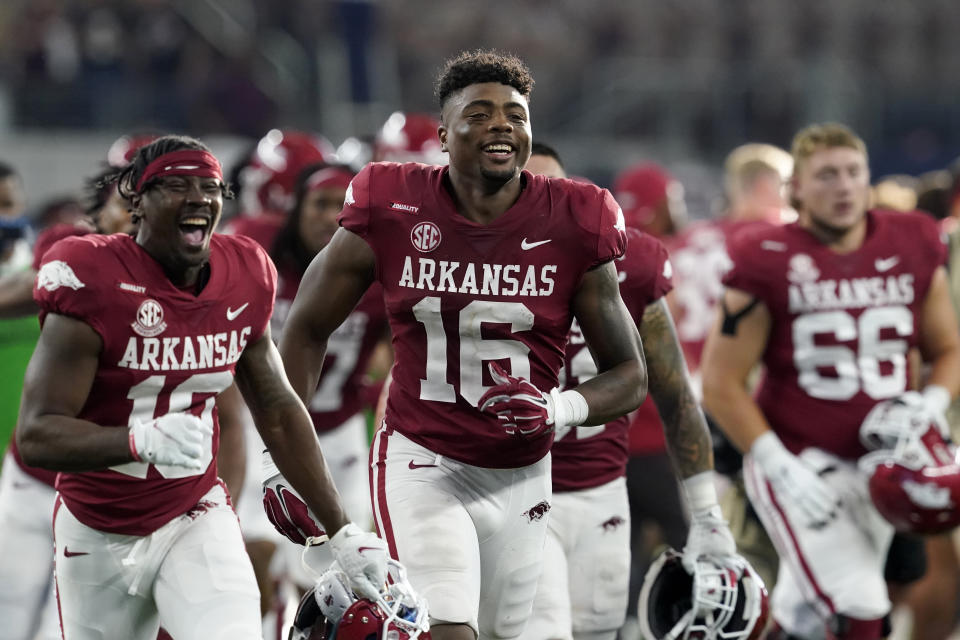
[[233, 313], [362, 549], [70, 554], [887, 263], [530, 245], [414, 465]]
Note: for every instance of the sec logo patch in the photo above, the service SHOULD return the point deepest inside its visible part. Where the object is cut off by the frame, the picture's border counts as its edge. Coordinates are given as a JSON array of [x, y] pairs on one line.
[[425, 237], [149, 320]]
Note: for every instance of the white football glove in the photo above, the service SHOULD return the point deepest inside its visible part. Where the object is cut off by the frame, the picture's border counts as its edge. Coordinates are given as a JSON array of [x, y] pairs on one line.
[[174, 439], [794, 481], [710, 538], [363, 557]]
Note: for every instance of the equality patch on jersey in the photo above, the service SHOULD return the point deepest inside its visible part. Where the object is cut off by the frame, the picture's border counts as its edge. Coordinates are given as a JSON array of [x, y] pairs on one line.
[[149, 322], [425, 237], [56, 274]]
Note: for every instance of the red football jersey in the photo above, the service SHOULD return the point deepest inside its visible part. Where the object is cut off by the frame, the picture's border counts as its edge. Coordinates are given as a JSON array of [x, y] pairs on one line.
[[460, 295], [841, 323], [339, 393], [589, 456], [46, 239], [264, 229], [164, 350], [700, 260]]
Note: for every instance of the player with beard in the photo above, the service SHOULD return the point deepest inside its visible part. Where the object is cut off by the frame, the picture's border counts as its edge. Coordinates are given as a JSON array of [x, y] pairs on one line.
[[120, 396], [584, 586], [483, 268], [831, 305]]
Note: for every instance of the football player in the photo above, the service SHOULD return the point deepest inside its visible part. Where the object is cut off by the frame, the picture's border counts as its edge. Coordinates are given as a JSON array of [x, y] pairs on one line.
[[584, 585], [831, 305], [336, 407], [120, 393], [483, 268]]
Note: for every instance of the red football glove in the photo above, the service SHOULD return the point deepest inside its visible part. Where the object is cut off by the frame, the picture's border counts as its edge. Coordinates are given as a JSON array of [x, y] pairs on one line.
[[521, 408], [286, 510]]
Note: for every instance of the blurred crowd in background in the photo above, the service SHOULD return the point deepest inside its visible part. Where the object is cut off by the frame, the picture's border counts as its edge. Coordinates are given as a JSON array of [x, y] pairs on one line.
[[678, 81]]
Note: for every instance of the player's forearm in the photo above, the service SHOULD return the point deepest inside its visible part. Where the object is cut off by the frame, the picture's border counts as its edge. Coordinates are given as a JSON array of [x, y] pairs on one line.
[[302, 361], [945, 371], [735, 411], [292, 443], [685, 429], [615, 392], [60, 443], [688, 440]]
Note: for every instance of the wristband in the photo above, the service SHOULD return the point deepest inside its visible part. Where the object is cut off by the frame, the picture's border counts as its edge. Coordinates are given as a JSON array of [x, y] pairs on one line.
[[766, 446], [936, 398], [569, 407], [701, 492], [132, 442]]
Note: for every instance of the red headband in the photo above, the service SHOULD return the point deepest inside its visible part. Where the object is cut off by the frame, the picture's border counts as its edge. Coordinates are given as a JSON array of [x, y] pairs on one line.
[[329, 177], [187, 162]]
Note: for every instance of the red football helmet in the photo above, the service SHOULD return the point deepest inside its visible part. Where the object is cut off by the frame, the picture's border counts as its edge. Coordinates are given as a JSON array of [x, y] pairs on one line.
[[915, 484], [268, 181], [409, 137], [712, 604], [122, 150], [332, 611], [651, 199]]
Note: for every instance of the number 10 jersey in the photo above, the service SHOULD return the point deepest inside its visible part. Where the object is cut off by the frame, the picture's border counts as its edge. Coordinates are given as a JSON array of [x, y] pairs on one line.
[[164, 350], [460, 295]]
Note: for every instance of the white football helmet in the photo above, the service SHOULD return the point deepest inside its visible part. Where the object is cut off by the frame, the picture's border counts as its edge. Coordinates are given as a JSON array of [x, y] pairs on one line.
[[332, 611], [891, 422], [712, 604]]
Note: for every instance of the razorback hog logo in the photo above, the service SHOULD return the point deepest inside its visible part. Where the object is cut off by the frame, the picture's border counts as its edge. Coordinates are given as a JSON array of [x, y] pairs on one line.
[[56, 274], [200, 508], [612, 523], [537, 511]]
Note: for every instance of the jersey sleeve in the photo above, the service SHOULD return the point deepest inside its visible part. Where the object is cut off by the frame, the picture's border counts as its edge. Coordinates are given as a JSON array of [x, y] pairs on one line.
[[355, 215], [663, 282], [50, 236], [67, 282], [611, 232], [747, 272], [933, 249], [264, 276], [646, 273]]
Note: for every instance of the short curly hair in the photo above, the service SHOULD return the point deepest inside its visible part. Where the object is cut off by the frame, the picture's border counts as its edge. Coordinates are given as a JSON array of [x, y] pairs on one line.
[[483, 65]]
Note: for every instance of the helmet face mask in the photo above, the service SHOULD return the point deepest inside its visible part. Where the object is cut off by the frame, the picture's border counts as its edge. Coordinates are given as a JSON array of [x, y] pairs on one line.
[[914, 479], [713, 604], [332, 611]]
